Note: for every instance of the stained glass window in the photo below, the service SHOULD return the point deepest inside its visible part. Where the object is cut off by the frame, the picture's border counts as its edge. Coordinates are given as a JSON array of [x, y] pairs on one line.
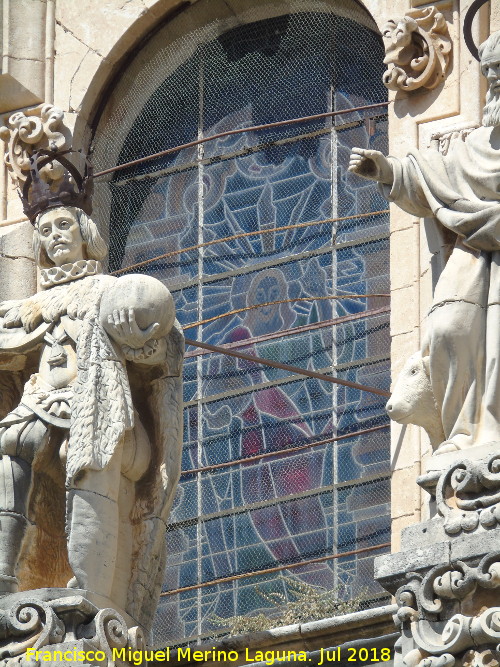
[[237, 224]]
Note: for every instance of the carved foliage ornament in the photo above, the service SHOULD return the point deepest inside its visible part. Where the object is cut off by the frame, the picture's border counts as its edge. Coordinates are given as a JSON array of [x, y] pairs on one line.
[[25, 134], [418, 50]]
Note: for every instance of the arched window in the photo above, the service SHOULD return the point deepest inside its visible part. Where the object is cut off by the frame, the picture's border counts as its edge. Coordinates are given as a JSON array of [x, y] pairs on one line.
[[232, 226]]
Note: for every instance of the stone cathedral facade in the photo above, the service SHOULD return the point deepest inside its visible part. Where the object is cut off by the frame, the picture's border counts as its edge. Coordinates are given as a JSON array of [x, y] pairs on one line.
[[272, 248]]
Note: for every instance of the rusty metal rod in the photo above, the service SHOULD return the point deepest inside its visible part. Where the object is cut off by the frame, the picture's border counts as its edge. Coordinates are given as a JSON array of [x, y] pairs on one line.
[[287, 367], [334, 297], [281, 452], [247, 150], [235, 237], [295, 330], [220, 135], [279, 568]]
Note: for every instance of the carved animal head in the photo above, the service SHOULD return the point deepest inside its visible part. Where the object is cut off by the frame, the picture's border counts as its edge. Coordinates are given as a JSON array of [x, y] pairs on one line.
[[412, 400]]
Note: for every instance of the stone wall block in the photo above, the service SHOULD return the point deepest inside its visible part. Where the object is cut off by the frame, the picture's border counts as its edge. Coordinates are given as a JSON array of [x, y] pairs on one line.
[[22, 75], [18, 276], [404, 310], [404, 256], [398, 525], [402, 346], [110, 20], [75, 65], [16, 241], [405, 445], [17, 279], [419, 558]]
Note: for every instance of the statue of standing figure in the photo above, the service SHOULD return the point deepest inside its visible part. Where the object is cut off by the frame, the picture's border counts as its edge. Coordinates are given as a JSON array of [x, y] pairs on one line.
[[90, 458], [460, 191]]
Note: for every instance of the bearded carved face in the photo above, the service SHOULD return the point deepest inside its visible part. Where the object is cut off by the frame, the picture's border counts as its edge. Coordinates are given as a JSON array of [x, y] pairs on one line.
[[60, 236], [490, 67]]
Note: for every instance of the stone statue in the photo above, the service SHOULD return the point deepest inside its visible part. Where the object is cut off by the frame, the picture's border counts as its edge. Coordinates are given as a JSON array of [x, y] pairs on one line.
[[90, 457], [460, 191]]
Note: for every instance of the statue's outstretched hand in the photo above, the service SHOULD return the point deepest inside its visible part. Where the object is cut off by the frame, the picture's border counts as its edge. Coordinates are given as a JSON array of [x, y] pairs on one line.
[[123, 328], [372, 165]]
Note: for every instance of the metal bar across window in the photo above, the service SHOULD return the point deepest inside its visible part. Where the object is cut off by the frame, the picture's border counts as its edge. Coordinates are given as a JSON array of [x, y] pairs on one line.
[[295, 330], [278, 568], [220, 135], [280, 452], [235, 237], [244, 152], [287, 367]]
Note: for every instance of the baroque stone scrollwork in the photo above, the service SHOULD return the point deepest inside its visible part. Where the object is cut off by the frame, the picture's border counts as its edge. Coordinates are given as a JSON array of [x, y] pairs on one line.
[[468, 495], [25, 133], [435, 636], [463, 641], [62, 623], [428, 595], [28, 623], [418, 50]]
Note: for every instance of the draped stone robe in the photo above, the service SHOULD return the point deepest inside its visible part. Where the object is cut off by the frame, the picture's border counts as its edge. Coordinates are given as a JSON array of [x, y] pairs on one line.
[[101, 412], [461, 192]]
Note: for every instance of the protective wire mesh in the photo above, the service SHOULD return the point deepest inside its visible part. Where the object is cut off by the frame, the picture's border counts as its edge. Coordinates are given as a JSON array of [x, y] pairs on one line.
[[284, 508]]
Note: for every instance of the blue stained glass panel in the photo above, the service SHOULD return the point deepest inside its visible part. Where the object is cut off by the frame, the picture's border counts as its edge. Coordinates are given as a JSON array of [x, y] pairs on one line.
[[233, 226]]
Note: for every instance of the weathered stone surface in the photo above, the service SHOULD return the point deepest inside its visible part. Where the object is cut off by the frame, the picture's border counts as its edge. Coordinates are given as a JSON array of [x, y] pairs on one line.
[[372, 628], [424, 534], [391, 569]]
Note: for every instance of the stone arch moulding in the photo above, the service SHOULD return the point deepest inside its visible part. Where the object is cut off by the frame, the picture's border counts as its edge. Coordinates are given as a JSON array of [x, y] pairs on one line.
[[122, 48], [101, 81], [105, 98]]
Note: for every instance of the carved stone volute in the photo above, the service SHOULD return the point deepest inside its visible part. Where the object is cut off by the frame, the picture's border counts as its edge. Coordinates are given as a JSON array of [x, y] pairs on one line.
[[418, 50], [41, 128]]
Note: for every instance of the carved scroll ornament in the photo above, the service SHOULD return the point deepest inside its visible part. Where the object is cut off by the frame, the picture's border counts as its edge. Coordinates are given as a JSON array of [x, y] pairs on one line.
[[436, 636], [33, 623], [468, 495], [25, 134], [418, 50]]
